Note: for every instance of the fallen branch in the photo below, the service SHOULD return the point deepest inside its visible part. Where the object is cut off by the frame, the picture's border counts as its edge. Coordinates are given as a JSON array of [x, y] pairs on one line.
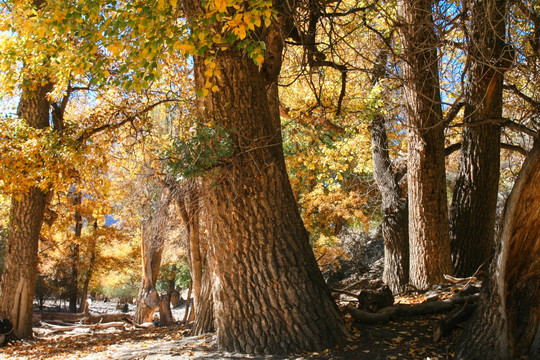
[[392, 312], [60, 328], [82, 318], [148, 325]]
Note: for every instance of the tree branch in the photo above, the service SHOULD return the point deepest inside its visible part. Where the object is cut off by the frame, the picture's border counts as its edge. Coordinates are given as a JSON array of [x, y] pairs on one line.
[[516, 148], [527, 98], [91, 132], [452, 113]]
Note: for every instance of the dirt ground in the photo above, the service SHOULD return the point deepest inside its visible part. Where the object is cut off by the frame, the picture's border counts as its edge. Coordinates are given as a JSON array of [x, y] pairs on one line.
[[403, 339]]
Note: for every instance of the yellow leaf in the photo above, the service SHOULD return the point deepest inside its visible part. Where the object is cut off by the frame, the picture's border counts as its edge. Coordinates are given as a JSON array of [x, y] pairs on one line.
[[221, 5]]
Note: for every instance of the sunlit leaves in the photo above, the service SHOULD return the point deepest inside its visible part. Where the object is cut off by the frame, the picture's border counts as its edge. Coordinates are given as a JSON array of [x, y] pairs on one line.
[[35, 157]]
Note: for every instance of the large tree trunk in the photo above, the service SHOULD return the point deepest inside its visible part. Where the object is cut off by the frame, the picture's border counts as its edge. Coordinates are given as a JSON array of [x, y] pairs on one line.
[[18, 282], [507, 323], [269, 294], [429, 242], [395, 213], [474, 202]]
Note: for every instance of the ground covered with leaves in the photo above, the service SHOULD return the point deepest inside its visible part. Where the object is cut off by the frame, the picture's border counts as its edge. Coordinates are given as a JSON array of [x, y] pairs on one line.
[[402, 339]]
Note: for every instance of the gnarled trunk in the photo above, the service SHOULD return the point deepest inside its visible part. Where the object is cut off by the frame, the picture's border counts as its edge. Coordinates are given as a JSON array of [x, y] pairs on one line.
[[148, 300], [269, 294], [474, 202], [18, 282], [395, 226], [429, 242], [507, 322]]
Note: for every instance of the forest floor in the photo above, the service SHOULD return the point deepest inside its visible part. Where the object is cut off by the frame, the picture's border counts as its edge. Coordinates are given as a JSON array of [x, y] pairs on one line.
[[406, 338]]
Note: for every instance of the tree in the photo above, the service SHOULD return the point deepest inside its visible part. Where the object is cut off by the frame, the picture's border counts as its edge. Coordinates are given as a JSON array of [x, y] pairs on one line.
[[395, 224], [474, 202], [153, 231], [506, 324], [18, 282], [428, 220], [269, 294]]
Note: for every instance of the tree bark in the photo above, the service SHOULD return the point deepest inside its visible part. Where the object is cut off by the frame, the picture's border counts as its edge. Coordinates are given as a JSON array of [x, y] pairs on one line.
[[190, 209], [429, 242], [269, 294], [507, 323], [395, 211], [74, 255], [148, 299], [18, 282], [89, 271], [204, 315], [474, 202]]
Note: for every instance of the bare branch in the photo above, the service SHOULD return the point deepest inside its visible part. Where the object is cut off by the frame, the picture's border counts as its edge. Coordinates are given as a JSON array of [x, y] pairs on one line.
[[527, 98], [452, 113], [516, 148]]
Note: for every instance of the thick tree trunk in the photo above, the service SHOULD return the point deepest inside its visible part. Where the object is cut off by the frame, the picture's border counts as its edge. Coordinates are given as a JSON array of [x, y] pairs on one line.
[[18, 282], [395, 226], [429, 241], [474, 202], [269, 294], [507, 323]]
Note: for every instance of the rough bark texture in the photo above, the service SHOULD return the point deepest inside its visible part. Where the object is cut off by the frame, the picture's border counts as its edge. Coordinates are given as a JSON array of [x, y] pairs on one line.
[[18, 282], [395, 213], [507, 323], [429, 242], [269, 295], [474, 202]]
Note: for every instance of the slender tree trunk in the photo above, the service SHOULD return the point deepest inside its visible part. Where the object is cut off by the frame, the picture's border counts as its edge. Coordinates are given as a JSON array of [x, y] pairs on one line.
[[429, 241], [395, 213], [204, 314], [507, 322], [18, 282], [474, 202], [74, 256], [188, 303], [90, 271], [190, 212]]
